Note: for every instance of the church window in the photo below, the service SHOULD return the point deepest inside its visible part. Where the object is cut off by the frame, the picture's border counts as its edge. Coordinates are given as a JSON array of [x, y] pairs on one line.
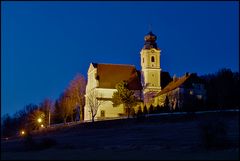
[[191, 92], [143, 60], [152, 59], [199, 97], [102, 113]]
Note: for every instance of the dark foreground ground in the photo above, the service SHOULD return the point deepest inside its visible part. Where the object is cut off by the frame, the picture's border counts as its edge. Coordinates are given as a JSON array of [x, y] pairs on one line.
[[183, 137]]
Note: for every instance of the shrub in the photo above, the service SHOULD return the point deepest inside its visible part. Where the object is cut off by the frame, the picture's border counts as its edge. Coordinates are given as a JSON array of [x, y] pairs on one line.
[[132, 112], [150, 110], [145, 111], [140, 114], [47, 143], [157, 109], [214, 134], [29, 143]]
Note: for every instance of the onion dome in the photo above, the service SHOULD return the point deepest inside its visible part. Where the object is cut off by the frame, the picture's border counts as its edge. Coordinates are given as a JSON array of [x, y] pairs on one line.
[[150, 41]]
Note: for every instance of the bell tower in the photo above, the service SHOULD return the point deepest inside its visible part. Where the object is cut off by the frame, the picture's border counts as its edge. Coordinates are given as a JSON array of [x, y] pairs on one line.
[[150, 63]]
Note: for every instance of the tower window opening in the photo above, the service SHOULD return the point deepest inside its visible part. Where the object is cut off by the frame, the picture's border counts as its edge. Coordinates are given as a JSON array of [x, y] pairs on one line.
[[143, 60], [102, 113], [152, 59]]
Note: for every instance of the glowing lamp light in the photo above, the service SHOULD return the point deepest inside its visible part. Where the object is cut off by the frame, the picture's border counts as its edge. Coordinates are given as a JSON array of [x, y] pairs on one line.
[[191, 92], [41, 125], [22, 132], [39, 120]]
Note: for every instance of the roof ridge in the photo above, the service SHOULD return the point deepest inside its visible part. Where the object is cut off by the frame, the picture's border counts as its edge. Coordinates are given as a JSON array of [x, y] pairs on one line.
[[174, 84], [115, 64]]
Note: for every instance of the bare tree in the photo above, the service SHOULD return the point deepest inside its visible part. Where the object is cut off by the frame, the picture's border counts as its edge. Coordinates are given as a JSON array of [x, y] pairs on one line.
[[46, 107], [66, 106], [72, 98], [56, 115], [94, 102], [77, 90]]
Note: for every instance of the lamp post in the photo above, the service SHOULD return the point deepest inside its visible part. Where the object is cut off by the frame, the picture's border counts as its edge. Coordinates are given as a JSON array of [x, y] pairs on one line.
[[39, 120], [49, 118]]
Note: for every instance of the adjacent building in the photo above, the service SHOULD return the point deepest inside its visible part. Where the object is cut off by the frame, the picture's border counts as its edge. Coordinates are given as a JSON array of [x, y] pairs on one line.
[[185, 92]]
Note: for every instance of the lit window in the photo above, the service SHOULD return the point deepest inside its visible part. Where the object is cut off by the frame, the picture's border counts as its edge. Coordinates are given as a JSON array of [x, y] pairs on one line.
[[199, 97], [152, 59], [191, 92]]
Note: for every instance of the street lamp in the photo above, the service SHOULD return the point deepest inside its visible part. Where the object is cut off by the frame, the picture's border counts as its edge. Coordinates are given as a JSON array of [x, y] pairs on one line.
[[22, 132], [39, 120]]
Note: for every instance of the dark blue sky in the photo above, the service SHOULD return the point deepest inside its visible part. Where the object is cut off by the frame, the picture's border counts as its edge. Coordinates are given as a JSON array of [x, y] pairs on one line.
[[44, 44]]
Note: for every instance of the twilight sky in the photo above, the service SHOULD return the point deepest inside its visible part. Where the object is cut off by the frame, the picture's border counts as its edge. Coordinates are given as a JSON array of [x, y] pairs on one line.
[[44, 44]]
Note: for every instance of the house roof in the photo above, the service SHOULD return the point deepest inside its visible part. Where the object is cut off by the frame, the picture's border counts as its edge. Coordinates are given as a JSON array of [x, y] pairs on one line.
[[109, 75], [177, 82]]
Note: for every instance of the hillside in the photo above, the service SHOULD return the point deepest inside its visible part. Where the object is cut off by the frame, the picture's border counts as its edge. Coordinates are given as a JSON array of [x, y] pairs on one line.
[[155, 137]]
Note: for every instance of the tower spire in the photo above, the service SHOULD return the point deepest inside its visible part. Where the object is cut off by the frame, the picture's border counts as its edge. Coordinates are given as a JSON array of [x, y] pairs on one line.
[[150, 62], [150, 27]]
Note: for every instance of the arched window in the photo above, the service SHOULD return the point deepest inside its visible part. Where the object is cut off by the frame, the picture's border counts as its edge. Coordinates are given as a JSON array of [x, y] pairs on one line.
[[143, 60], [152, 58]]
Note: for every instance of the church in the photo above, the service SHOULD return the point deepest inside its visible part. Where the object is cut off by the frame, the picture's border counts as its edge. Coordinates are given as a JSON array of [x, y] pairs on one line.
[[146, 83]]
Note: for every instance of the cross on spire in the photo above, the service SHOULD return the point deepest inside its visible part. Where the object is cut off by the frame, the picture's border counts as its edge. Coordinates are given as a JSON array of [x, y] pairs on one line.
[[150, 27]]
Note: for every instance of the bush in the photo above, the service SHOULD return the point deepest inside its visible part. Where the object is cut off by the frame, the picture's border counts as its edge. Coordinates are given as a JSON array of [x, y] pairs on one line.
[[214, 134], [150, 110], [139, 112], [140, 115], [157, 109], [145, 111], [47, 143], [132, 112], [29, 143]]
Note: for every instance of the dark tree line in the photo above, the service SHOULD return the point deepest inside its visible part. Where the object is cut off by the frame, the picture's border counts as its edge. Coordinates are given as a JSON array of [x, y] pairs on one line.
[[222, 89]]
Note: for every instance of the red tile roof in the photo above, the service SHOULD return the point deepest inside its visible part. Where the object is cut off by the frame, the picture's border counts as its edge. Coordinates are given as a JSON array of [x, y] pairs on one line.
[[174, 84], [109, 75]]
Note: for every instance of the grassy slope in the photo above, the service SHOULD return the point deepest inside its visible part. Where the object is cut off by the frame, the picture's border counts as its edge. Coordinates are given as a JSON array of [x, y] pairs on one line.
[[161, 137]]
